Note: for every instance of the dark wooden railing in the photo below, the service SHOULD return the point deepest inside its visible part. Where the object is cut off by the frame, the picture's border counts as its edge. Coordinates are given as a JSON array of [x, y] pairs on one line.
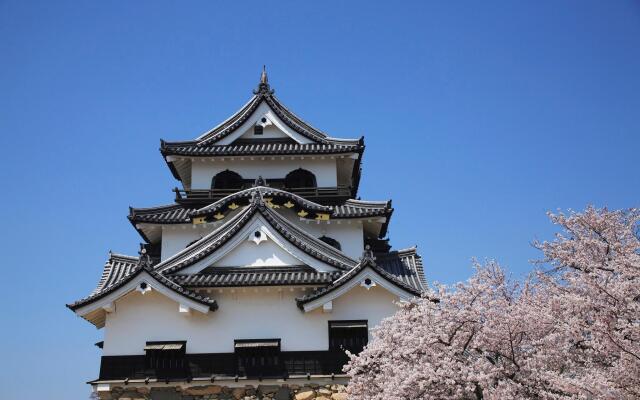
[[318, 194], [223, 364]]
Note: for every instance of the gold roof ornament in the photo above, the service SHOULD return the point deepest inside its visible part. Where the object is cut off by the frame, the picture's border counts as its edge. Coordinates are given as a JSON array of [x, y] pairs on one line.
[[302, 213], [218, 216], [199, 220], [322, 217], [233, 206], [288, 204]]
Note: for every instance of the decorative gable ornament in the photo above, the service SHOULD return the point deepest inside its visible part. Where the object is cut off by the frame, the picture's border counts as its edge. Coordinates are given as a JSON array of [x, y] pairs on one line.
[[143, 287], [264, 121], [367, 283], [257, 237]]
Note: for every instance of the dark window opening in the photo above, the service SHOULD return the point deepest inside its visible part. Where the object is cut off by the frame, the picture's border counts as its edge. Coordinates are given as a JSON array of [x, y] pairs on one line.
[[331, 242], [348, 335], [258, 130], [166, 360], [227, 180], [300, 178], [258, 357]]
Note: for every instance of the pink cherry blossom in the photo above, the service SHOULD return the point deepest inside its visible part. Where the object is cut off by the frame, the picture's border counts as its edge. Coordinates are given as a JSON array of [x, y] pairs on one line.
[[571, 330]]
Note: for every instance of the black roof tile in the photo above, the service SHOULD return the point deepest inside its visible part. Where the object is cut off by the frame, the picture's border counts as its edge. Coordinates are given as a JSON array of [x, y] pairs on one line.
[[264, 276]]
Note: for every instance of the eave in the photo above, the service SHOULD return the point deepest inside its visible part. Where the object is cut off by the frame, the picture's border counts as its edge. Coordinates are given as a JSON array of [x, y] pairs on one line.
[[94, 307]]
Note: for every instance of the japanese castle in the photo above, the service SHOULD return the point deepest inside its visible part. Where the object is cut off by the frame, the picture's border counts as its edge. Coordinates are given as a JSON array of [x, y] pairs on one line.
[[265, 268]]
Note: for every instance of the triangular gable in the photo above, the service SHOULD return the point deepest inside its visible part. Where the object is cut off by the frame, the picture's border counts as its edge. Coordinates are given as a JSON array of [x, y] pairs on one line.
[[366, 274], [206, 250], [273, 128], [258, 244], [95, 307]]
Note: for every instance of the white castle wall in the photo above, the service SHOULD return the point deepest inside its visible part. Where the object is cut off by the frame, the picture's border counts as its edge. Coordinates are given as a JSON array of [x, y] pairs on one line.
[[176, 237], [348, 232], [245, 314], [266, 254], [325, 170]]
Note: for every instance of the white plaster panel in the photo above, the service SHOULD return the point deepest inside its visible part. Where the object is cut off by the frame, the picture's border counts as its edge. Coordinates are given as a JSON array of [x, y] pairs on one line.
[[245, 314], [204, 170], [264, 254], [176, 237]]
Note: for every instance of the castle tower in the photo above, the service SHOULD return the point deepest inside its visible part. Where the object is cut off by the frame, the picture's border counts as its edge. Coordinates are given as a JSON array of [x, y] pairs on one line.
[[263, 271]]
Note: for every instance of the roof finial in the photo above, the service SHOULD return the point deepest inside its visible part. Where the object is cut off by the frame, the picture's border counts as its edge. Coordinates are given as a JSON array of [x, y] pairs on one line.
[[367, 256], [263, 87], [259, 181], [263, 78]]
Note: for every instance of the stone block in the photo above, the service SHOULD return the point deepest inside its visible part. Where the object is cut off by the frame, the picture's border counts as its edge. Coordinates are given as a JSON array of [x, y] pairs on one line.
[[203, 390], [305, 394], [283, 393], [339, 396], [267, 389], [238, 393], [165, 394]]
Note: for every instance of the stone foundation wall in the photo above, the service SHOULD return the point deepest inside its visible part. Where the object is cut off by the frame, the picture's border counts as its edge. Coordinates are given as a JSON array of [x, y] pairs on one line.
[[217, 392]]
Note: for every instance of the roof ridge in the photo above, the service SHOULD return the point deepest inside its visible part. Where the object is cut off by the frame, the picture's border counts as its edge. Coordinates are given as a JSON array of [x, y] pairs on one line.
[[204, 136], [120, 255], [165, 207]]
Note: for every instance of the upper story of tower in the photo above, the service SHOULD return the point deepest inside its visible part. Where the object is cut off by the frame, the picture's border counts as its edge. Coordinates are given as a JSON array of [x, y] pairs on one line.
[[265, 139]]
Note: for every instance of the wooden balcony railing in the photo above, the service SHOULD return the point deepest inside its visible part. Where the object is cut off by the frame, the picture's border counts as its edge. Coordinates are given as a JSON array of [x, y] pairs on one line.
[[318, 194], [224, 364]]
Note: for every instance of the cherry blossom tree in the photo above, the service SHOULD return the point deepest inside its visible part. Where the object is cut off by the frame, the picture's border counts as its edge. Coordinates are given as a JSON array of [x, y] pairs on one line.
[[571, 330]]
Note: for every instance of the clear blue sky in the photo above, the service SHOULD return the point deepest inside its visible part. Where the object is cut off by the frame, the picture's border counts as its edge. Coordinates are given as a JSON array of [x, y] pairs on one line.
[[478, 116]]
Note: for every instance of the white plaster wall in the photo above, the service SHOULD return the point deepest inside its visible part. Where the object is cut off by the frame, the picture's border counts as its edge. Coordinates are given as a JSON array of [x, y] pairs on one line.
[[348, 232], [204, 170], [265, 254], [268, 132], [176, 237], [244, 315]]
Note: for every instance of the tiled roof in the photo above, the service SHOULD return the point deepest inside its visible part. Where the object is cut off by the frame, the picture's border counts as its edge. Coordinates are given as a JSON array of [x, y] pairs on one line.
[[169, 214], [191, 148], [299, 238], [265, 94], [176, 213], [405, 265], [266, 276], [119, 270], [366, 261], [204, 145], [117, 267], [265, 192]]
